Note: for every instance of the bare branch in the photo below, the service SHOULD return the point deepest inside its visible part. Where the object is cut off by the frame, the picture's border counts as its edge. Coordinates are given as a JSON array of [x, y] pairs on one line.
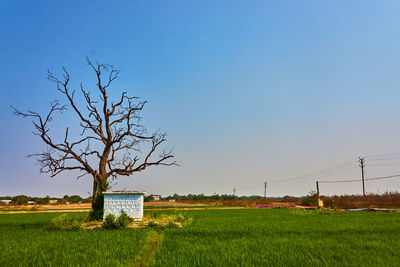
[[123, 145]]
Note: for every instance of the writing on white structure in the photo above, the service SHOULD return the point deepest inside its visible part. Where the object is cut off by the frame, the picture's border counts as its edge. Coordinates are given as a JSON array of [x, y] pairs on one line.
[[132, 204]]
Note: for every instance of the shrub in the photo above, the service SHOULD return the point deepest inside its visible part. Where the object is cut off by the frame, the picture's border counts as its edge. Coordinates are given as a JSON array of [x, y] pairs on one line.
[[123, 220], [111, 222], [64, 222], [153, 224], [182, 218], [170, 221], [311, 199], [171, 225], [154, 215], [21, 200]]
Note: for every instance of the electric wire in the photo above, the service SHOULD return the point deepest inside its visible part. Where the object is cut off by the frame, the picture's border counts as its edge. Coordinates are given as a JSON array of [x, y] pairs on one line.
[[320, 174], [384, 164], [314, 178], [317, 173], [383, 155], [359, 180]]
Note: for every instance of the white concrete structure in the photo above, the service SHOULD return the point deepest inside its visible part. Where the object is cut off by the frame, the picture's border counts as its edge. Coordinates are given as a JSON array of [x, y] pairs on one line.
[[129, 201], [7, 201]]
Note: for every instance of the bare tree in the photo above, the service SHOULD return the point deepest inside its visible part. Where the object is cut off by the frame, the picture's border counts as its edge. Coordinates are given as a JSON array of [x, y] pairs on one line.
[[111, 139]]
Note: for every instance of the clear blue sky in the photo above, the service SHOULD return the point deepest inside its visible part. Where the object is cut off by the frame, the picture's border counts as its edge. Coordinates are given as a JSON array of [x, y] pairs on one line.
[[248, 91]]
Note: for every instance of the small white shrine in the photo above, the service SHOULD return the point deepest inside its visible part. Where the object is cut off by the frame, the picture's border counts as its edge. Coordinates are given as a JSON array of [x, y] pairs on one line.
[[129, 201]]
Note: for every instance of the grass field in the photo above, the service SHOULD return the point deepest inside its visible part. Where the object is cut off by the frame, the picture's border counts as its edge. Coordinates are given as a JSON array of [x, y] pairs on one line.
[[247, 237]]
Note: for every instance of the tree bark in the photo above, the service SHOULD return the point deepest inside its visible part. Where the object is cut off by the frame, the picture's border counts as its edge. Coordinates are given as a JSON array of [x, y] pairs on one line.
[[100, 185]]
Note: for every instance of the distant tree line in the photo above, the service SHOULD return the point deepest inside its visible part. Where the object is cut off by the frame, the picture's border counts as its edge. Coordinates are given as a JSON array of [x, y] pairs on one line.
[[388, 199], [23, 199], [201, 197]]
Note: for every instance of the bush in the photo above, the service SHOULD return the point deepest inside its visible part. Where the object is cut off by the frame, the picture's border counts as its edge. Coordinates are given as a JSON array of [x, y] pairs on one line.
[[311, 199], [109, 222], [153, 224], [21, 200], [122, 222], [171, 225], [64, 222], [169, 221], [154, 215], [182, 218]]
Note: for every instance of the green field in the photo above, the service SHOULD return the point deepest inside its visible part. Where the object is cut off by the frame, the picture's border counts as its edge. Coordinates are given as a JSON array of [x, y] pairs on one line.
[[246, 237]]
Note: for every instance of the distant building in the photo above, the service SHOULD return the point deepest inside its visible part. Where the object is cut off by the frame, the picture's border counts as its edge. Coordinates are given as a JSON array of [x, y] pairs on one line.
[[129, 201], [31, 202], [156, 197], [171, 200], [53, 201], [7, 201]]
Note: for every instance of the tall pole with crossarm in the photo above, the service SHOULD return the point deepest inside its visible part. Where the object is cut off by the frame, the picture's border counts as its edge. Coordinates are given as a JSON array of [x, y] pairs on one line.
[[362, 165]]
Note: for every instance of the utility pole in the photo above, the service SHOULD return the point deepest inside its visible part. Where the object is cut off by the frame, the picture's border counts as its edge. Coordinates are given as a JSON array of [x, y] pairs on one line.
[[234, 191], [265, 189], [318, 200], [362, 165]]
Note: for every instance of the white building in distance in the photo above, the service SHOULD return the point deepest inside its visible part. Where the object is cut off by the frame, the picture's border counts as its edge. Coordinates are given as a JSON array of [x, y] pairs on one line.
[[7, 201]]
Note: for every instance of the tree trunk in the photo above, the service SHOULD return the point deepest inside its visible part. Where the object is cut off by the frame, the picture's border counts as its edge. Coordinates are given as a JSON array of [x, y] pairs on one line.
[[99, 186]]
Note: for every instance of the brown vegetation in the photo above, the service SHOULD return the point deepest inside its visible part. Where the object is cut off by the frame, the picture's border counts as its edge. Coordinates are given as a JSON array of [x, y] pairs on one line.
[[387, 200]]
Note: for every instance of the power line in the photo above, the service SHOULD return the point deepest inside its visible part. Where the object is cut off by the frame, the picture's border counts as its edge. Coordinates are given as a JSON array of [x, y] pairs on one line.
[[336, 169], [318, 172], [313, 179], [346, 170], [341, 181], [383, 177], [383, 159], [383, 155], [358, 180], [385, 164]]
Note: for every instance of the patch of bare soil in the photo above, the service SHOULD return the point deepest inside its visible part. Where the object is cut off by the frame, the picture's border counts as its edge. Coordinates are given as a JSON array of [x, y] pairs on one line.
[[48, 206], [41, 211], [80, 207]]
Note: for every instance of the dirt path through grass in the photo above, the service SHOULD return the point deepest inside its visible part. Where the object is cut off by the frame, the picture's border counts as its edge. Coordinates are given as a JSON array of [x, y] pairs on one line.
[[146, 255]]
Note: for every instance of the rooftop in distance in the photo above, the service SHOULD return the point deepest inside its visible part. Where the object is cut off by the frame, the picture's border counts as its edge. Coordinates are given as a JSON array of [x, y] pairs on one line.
[[124, 193]]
